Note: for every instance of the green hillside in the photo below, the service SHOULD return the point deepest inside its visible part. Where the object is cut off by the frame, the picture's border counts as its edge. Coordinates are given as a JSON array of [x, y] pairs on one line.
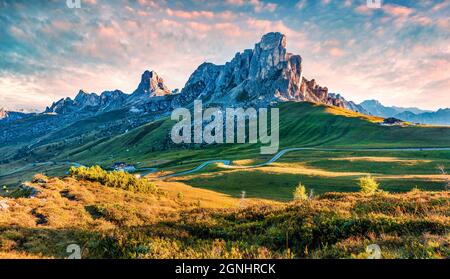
[[301, 125]]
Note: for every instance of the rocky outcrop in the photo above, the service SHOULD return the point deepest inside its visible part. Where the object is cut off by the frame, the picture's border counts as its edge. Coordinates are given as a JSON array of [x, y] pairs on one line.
[[151, 85], [348, 104], [262, 76]]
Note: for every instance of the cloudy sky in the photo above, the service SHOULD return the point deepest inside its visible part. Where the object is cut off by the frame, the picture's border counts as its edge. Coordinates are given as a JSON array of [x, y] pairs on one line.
[[398, 54]]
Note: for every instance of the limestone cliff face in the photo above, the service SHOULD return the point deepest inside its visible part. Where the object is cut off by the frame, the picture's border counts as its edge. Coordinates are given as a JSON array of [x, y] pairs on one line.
[[261, 76]]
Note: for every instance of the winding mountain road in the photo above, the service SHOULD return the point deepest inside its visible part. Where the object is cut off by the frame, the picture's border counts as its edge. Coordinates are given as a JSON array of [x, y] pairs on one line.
[[227, 163]]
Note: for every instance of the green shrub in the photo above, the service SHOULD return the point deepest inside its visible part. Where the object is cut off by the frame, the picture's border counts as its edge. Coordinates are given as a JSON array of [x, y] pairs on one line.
[[40, 178], [113, 179], [368, 185], [300, 193], [23, 192]]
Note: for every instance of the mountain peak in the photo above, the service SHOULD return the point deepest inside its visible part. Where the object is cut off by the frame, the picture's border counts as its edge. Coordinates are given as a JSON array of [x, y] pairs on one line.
[[372, 102], [152, 84], [273, 40], [81, 95], [262, 76]]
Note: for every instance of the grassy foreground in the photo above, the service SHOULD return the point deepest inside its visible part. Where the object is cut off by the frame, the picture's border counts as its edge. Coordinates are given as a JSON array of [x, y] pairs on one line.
[[178, 221]]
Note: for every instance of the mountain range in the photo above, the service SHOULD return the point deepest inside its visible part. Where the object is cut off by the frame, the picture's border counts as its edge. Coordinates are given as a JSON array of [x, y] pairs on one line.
[[263, 76], [410, 114], [258, 77]]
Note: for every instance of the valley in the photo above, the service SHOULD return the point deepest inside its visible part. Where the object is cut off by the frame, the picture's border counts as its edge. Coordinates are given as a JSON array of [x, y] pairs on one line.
[[313, 140]]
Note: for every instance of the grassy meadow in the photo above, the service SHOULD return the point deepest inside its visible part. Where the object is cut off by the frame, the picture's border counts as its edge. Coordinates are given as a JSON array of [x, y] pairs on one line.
[[179, 221]]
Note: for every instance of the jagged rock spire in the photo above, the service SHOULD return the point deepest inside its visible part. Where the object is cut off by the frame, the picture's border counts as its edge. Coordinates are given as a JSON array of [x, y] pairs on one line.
[[152, 85]]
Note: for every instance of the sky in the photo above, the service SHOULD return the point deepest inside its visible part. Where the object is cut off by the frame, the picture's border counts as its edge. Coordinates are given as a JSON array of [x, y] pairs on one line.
[[397, 53]]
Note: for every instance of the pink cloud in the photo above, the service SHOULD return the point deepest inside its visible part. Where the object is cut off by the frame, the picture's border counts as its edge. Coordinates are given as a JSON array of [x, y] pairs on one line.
[[199, 27], [148, 3], [18, 33], [331, 42], [422, 20], [107, 31], [226, 15], [336, 52], [235, 2], [190, 15], [363, 9], [397, 11], [229, 29], [62, 25], [441, 6], [443, 22], [258, 5]]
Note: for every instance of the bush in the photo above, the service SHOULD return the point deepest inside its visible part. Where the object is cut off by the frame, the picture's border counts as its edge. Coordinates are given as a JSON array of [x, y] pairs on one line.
[[113, 179], [300, 193], [180, 195], [39, 178], [368, 185], [23, 191]]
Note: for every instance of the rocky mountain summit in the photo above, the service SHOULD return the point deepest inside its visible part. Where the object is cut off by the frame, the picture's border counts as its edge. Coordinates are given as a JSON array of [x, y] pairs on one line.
[[262, 76], [151, 85]]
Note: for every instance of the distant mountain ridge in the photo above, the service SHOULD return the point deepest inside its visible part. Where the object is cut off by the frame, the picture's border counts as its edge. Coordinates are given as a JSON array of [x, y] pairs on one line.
[[440, 117], [8, 116], [411, 114], [106, 101]]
